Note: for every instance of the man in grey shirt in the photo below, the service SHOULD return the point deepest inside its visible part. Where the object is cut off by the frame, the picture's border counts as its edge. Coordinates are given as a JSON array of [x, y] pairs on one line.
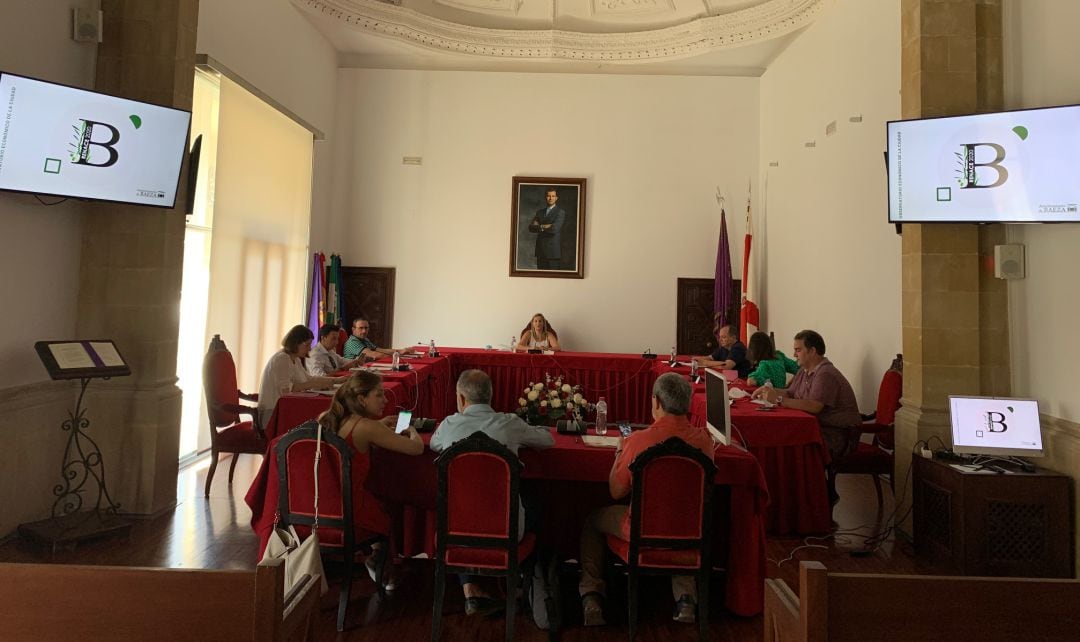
[[475, 414]]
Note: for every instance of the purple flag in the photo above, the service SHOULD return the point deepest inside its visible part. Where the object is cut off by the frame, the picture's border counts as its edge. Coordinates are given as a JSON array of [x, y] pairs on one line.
[[316, 307], [722, 285]]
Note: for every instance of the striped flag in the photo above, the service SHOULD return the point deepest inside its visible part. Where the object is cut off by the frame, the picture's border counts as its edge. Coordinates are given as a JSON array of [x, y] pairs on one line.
[[749, 315], [334, 311], [722, 279]]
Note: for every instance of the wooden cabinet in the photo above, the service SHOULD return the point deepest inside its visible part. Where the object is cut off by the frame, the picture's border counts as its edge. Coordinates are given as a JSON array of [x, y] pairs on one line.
[[1007, 525]]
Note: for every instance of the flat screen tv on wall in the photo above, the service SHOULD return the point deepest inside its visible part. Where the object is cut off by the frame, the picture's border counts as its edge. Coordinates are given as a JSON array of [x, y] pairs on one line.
[[1006, 167], [63, 141]]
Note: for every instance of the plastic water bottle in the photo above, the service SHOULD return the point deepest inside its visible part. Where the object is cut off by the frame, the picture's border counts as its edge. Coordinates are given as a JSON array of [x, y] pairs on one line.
[[693, 371], [513, 344], [674, 357], [601, 417], [431, 349], [396, 360]]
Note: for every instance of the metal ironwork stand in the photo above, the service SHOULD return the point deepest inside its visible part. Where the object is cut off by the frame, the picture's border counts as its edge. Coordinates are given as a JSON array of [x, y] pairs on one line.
[[83, 509], [82, 465]]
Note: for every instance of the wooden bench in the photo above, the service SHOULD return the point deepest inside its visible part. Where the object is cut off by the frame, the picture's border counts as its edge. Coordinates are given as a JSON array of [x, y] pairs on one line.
[[849, 606], [58, 602]]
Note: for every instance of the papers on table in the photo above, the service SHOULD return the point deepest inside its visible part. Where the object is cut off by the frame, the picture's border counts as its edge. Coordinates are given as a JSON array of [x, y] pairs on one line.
[[763, 402], [737, 393], [600, 442]]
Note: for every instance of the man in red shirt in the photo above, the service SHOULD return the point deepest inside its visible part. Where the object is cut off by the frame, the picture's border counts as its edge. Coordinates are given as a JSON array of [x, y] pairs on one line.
[[670, 405]]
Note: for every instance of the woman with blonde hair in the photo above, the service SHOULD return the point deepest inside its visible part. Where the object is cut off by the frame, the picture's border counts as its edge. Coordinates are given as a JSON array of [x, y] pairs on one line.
[[538, 334], [354, 416]]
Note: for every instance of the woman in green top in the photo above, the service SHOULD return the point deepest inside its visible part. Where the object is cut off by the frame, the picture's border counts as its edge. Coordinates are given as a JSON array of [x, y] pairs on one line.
[[769, 365]]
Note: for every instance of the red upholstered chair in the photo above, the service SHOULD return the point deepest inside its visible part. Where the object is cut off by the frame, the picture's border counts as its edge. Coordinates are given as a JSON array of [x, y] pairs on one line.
[[670, 522], [342, 338], [228, 434], [477, 525], [338, 536], [876, 458]]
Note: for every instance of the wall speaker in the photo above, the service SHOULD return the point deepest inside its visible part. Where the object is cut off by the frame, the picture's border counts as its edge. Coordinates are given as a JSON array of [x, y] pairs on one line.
[[86, 25], [1009, 261]]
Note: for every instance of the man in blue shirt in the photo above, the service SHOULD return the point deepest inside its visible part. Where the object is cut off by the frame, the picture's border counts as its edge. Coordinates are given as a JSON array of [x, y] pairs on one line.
[[475, 414], [730, 354]]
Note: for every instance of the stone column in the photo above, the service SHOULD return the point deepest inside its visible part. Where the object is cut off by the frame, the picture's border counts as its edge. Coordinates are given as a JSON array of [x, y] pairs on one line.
[[132, 260], [954, 312]]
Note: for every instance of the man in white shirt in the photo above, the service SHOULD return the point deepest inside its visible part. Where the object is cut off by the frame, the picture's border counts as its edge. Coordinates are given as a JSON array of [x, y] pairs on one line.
[[475, 414], [323, 361]]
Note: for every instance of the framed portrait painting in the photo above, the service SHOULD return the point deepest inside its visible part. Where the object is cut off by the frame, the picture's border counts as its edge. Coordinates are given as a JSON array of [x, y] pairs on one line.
[[547, 227]]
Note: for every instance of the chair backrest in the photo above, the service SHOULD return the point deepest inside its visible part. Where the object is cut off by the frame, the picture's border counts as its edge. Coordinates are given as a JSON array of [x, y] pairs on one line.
[[296, 484], [888, 400], [478, 496], [671, 499], [342, 338], [219, 384]]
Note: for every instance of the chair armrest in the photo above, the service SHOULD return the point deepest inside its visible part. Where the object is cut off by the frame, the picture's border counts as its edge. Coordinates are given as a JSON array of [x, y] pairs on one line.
[[248, 396], [869, 417], [239, 409], [782, 620]]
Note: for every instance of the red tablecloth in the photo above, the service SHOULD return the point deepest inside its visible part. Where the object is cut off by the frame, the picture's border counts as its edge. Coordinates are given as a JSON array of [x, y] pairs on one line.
[[624, 380], [787, 443], [408, 485], [789, 446]]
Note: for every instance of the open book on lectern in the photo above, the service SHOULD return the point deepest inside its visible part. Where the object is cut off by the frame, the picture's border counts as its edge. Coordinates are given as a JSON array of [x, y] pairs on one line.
[[82, 359]]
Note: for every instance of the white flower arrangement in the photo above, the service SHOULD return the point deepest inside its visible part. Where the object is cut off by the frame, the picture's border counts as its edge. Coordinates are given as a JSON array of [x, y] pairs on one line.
[[548, 401]]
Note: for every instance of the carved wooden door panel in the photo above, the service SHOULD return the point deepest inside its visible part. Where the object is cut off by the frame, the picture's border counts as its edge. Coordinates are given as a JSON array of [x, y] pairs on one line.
[[369, 292], [694, 315]]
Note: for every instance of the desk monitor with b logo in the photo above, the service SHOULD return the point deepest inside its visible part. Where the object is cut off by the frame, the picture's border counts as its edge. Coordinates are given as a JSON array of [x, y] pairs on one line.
[[996, 426]]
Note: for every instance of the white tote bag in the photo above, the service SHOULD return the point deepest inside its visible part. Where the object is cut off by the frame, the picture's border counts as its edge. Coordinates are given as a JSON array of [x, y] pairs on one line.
[[301, 558]]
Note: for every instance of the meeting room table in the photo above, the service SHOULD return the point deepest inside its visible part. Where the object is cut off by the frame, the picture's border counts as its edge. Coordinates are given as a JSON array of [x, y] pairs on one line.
[[568, 481], [787, 443]]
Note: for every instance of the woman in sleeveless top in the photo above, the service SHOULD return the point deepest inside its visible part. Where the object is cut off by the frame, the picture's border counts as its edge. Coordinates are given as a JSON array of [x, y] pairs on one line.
[[538, 334], [352, 416]]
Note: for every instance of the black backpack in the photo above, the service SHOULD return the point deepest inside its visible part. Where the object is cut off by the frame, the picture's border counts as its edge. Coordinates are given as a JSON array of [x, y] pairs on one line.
[[542, 598]]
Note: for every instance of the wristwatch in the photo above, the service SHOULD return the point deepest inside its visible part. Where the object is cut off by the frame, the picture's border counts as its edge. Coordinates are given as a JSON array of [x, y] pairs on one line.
[[780, 400]]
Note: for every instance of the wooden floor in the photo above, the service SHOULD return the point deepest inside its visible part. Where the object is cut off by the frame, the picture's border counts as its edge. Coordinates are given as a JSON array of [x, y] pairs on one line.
[[215, 533]]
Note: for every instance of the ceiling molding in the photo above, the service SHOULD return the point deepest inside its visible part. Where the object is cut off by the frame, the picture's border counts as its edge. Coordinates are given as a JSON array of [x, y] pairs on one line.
[[758, 23]]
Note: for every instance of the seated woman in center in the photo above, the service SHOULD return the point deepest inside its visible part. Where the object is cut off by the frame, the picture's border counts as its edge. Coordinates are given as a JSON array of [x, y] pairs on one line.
[[770, 365], [538, 335], [354, 416], [285, 372]]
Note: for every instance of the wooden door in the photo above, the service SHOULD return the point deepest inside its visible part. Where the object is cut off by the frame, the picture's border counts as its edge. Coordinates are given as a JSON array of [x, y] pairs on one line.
[[694, 315], [369, 292]]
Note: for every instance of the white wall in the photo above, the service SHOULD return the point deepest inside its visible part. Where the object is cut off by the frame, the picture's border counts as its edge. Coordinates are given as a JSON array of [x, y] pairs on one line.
[[40, 260], [653, 148], [1041, 70], [271, 45], [829, 259]]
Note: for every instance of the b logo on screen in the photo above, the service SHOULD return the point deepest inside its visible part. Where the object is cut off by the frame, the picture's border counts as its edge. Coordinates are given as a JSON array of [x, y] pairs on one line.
[[995, 422], [95, 142], [968, 175]]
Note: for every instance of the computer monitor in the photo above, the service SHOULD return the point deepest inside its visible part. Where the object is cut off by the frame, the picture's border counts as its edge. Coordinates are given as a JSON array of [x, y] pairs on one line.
[[995, 426], [717, 406]]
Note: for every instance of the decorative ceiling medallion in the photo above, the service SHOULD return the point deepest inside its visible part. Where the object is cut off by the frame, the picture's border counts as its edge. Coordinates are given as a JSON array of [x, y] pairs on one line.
[[509, 6], [631, 7], [765, 21]]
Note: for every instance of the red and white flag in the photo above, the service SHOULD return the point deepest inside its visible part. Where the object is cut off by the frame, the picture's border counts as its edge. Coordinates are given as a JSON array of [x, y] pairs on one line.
[[749, 316]]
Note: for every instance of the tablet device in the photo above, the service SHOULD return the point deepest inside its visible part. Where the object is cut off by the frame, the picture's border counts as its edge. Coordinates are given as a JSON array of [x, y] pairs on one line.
[[404, 418]]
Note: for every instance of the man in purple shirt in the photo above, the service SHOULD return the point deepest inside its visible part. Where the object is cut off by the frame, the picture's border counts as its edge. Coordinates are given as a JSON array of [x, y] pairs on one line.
[[820, 389]]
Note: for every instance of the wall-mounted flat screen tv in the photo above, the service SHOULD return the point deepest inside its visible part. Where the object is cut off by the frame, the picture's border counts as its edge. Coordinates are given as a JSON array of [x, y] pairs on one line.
[[1006, 167], [64, 141]]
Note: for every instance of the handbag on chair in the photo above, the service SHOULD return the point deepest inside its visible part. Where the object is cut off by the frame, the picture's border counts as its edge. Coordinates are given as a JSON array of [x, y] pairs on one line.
[[301, 557]]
